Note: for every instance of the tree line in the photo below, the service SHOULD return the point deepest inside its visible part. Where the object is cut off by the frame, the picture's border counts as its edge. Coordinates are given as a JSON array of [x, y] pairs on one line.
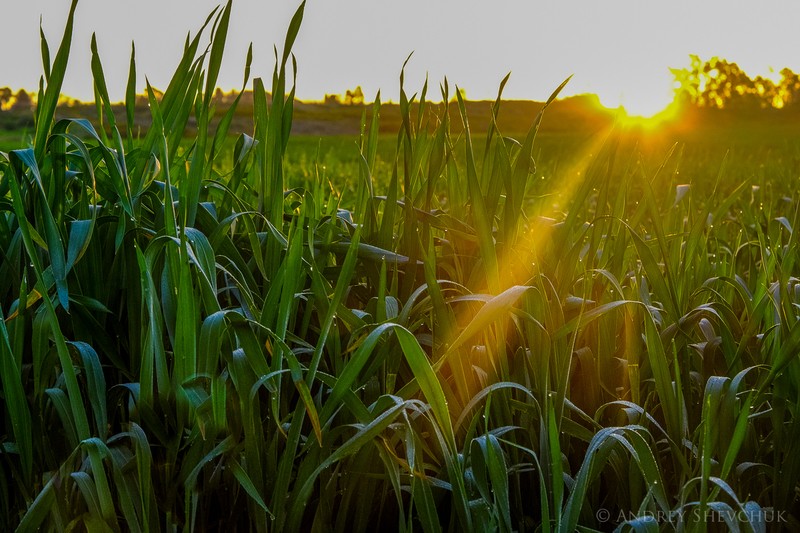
[[706, 83], [722, 84]]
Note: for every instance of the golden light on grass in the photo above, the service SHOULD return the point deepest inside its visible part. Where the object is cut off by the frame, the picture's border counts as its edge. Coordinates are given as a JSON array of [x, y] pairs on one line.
[[520, 262]]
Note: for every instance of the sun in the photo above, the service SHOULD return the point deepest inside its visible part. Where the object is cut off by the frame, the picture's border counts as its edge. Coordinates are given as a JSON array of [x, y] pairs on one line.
[[639, 104]]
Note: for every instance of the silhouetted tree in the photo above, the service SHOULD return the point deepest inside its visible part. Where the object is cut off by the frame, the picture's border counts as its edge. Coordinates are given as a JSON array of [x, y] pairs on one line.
[[219, 96], [5, 97], [789, 89], [719, 83], [22, 101], [354, 97]]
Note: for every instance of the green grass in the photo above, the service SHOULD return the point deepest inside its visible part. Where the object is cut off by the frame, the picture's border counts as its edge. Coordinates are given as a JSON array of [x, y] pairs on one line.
[[428, 333], [12, 139]]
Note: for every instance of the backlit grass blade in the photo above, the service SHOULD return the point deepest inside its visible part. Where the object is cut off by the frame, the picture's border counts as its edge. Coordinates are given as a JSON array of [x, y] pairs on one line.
[[291, 33], [522, 168], [475, 400], [100, 86], [45, 49], [186, 320], [429, 384], [47, 106], [596, 457], [275, 124], [174, 108], [660, 368], [244, 480], [302, 387], [158, 126], [223, 128], [217, 48], [80, 234], [144, 460], [55, 246], [490, 471], [97, 452], [75, 398], [342, 284], [95, 385], [551, 447], [365, 434], [347, 379], [494, 309], [130, 97], [483, 224], [153, 375], [198, 169], [493, 129]]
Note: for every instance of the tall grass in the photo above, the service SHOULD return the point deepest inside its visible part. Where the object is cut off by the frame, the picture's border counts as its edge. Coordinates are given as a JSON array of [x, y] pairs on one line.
[[471, 348]]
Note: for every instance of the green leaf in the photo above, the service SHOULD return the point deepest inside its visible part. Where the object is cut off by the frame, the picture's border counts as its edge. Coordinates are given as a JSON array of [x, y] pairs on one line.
[[47, 106], [495, 308], [16, 404]]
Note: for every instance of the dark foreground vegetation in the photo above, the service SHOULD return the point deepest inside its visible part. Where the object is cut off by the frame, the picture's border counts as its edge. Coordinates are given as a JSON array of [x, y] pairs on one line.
[[456, 340]]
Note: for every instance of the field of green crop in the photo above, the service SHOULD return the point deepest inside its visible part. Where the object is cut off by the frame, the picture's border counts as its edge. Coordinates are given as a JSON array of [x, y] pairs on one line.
[[424, 332]]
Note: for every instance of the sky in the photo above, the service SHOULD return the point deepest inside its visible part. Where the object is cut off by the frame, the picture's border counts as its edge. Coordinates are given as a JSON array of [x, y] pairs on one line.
[[619, 49]]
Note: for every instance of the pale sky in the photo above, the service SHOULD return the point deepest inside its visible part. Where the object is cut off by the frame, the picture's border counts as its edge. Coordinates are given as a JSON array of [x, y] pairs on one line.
[[619, 49]]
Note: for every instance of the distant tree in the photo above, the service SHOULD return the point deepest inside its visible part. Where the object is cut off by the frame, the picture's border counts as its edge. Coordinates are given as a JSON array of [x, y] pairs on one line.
[[67, 101], [5, 98], [219, 96], [767, 91], [22, 101], [718, 83], [354, 97], [463, 92], [788, 89], [332, 99]]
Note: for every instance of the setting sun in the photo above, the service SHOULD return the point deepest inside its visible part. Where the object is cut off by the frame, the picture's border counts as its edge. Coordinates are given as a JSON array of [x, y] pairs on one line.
[[639, 104]]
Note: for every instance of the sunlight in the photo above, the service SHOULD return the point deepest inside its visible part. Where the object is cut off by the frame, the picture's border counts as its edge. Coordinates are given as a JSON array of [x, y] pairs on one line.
[[639, 104], [517, 261]]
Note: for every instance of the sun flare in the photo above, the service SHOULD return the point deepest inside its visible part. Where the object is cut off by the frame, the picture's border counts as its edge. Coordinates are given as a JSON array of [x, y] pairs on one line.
[[642, 105]]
